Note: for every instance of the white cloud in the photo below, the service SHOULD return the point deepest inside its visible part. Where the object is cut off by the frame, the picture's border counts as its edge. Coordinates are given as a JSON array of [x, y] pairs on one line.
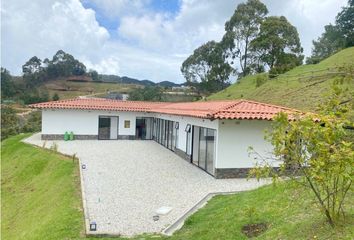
[[309, 17], [109, 65], [146, 44], [117, 8], [43, 27]]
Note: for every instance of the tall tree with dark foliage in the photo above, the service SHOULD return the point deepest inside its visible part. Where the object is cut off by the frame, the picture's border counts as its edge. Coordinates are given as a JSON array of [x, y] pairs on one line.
[[241, 29], [206, 68]]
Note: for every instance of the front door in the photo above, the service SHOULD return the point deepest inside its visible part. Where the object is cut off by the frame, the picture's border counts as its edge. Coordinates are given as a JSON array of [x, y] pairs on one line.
[[104, 128]]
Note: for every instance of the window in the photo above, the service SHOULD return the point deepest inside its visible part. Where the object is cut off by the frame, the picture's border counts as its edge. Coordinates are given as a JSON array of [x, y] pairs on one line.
[[127, 124], [176, 125]]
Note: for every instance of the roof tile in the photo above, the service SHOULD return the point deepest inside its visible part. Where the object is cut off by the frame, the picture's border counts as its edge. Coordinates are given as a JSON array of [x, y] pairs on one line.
[[236, 109]]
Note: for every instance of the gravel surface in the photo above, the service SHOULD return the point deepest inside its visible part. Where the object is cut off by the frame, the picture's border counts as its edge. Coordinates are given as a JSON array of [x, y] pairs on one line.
[[126, 182]]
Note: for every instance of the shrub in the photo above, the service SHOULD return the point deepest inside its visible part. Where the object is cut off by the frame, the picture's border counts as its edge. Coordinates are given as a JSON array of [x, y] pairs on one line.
[[320, 149], [260, 80], [9, 122]]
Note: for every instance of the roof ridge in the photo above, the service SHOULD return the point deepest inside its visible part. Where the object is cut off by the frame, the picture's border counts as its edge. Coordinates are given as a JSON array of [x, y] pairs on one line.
[[232, 104], [269, 105]]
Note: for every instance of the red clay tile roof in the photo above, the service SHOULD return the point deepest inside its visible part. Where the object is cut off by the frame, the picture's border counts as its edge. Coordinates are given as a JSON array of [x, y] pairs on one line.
[[236, 109]]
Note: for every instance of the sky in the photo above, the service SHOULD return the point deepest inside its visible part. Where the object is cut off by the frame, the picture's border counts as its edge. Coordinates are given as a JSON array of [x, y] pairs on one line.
[[144, 39]]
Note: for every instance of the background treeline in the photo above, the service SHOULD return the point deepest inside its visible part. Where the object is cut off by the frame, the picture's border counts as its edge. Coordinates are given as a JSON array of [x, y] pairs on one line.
[[255, 42], [36, 72], [336, 36]]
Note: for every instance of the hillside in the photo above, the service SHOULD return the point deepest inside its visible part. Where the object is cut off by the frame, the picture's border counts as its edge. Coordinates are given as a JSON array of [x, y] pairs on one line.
[[302, 87], [70, 89], [129, 80]]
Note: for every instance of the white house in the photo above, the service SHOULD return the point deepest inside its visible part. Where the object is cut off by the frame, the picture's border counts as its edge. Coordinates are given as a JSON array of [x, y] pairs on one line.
[[215, 135]]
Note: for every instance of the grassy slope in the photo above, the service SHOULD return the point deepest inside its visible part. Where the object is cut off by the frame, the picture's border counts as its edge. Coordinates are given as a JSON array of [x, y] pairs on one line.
[[40, 200], [291, 89], [40, 193]]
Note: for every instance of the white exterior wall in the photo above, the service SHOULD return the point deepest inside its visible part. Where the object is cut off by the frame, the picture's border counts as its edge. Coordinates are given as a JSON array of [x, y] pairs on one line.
[[235, 138], [232, 141], [85, 122]]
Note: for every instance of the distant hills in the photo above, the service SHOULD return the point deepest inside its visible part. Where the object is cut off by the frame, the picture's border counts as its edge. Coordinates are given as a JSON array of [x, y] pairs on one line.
[[128, 80]]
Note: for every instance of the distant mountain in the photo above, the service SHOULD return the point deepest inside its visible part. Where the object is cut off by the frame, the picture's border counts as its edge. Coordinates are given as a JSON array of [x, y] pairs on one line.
[[129, 80]]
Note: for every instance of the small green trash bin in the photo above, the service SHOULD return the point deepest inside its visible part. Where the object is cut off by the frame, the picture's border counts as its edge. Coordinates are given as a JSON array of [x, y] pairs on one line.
[[71, 136], [66, 136]]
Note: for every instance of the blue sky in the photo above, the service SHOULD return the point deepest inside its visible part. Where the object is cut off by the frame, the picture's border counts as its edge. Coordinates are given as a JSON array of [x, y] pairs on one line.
[[168, 7], [145, 39]]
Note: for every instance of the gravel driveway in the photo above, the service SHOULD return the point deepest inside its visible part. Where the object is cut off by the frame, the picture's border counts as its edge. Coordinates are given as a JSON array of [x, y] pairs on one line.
[[125, 182]]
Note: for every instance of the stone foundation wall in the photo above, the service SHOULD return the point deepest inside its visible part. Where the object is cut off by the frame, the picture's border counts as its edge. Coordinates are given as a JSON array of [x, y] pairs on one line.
[[234, 172], [231, 172], [126, 137], [61, 137]]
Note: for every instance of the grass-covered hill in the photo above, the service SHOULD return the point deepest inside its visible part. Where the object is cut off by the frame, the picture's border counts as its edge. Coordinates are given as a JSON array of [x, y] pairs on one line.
[[303, 87], [69, 89], [41, 200]]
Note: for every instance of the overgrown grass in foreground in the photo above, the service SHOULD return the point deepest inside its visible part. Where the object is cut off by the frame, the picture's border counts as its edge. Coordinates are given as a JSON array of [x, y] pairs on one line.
[[41, 200]]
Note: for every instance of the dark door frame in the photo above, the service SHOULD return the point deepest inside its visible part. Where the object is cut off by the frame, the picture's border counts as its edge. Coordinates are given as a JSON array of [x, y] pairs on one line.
[[107, 116]]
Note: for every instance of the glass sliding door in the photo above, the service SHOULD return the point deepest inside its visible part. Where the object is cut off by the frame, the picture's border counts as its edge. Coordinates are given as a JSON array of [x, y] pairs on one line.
[[204, 148], [195, 153], [170, 135], [144, 128], [210, 152], [175, 135], [162, 132]]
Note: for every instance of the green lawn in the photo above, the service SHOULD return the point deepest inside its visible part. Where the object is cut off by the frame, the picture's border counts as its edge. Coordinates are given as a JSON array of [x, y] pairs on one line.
[[40, 193], [302, 87], [41, 200]]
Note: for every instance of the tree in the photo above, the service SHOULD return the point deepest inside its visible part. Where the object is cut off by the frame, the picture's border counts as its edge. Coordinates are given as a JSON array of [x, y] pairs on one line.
[[345, 23], [330, 42], [8, 88], [318, 148], [335, 37], [34, 65], [241, 29], [148, 93], [33, 72], [55, 97], [35, 96], [94, 75], [278, 44], [206, 68], [9, 122], [63, 65]]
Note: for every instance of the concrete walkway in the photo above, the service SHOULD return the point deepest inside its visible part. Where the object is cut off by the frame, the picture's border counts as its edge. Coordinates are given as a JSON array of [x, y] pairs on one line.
[[125, 182]]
